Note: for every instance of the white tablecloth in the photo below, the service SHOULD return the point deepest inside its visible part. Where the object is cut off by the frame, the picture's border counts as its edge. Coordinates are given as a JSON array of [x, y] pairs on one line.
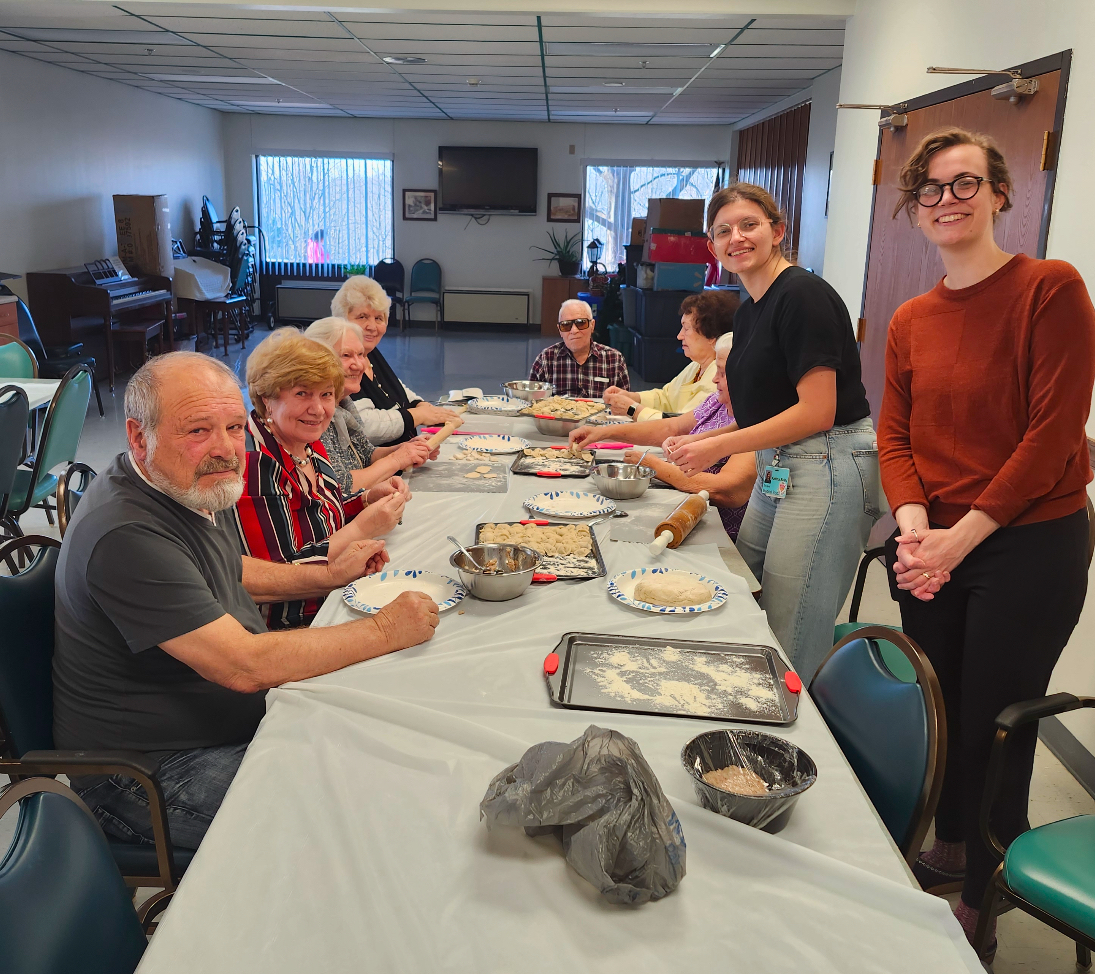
[[39, 391], [351, 840]]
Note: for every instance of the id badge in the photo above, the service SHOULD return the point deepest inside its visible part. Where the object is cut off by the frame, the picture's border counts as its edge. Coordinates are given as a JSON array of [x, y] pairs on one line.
[[775, 482]]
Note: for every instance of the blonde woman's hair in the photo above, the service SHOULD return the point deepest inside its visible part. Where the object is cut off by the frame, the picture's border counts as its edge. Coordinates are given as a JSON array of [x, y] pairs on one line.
[[914, 173], [355, 292], [286, 359], [331, 331]]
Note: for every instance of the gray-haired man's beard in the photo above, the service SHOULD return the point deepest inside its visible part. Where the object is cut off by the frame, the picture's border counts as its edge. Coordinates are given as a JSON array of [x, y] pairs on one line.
[[216, 497]]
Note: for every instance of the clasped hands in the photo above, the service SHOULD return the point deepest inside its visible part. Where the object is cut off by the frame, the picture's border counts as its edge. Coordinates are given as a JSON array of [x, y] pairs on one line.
[[918, 567]]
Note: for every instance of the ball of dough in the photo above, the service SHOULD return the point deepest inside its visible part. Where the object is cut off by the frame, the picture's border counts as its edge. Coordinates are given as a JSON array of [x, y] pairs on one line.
[[671, 589], [482, 469], [472, 474]]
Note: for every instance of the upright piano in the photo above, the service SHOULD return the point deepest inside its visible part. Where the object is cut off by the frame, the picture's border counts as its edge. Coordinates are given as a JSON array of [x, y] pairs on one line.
[[69, 302]]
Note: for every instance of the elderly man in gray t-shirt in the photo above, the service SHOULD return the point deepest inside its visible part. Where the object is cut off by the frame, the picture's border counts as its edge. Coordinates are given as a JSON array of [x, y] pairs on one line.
[[159, 644]]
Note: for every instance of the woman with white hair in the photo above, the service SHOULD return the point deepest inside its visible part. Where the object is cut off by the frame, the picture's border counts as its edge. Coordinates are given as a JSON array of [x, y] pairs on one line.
[[389, 410], [356, 460]]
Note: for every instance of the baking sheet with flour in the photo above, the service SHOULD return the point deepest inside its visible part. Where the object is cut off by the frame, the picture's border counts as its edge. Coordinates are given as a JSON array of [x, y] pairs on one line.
[[680, 678], [451, 476]]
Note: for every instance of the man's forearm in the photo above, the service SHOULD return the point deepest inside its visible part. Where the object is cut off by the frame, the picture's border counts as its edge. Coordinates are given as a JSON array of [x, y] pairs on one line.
[[269, 581]]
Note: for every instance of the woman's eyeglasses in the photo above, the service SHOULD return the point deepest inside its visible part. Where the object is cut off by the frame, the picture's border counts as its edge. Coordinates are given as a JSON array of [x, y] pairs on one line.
[[962, 188], [580, 323], [724, 231]]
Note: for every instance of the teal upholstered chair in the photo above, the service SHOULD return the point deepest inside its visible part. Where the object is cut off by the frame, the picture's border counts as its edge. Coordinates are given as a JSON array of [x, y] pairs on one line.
[[893, 733], [16, 360], [26, 720], [1048, 872], [425, 288], [61, 432], [63, 905], [892, 657]]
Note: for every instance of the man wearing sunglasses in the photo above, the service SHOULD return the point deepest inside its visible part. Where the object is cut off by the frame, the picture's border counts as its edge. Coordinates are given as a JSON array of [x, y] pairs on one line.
[[578, 366]]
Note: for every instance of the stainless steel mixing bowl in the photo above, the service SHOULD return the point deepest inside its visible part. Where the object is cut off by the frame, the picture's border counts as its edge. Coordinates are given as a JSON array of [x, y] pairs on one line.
[[621, 481], [493, 587], [528, 390]]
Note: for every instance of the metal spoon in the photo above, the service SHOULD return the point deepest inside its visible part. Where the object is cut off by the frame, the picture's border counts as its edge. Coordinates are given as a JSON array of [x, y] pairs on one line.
[[467, 554]]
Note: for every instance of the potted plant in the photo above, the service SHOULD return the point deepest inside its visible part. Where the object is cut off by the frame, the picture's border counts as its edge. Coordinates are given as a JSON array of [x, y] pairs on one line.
[[565, 252]]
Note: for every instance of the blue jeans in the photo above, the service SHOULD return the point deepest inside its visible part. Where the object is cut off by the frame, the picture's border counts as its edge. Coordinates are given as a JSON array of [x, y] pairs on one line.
[[804, 549], [193, 782]]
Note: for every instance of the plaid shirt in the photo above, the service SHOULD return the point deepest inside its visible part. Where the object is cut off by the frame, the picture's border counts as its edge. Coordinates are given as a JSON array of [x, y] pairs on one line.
[[605, 367], [280, 519]]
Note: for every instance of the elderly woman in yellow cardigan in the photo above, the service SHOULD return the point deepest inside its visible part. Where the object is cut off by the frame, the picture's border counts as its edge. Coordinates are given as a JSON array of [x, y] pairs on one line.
[[704, 317]]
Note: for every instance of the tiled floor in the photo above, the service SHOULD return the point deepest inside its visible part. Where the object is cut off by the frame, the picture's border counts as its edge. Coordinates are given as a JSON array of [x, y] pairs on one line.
[[431, 365]]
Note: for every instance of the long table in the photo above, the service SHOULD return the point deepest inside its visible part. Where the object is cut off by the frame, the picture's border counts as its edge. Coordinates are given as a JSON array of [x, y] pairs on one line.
[[350, 838]]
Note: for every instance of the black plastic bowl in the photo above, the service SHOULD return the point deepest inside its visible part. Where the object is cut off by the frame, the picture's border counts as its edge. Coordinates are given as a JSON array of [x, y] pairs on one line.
[[787, 770]]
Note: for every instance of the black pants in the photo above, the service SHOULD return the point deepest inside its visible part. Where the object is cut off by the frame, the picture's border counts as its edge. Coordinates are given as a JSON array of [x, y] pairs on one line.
[[993, 634]]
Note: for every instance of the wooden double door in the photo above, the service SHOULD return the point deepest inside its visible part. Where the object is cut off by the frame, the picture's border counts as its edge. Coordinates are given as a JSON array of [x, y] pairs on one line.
[[901, 264]]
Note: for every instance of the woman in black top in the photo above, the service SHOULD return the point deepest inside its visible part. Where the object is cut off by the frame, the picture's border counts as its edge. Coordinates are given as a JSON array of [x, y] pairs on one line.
[[799, 403], [389, 410]]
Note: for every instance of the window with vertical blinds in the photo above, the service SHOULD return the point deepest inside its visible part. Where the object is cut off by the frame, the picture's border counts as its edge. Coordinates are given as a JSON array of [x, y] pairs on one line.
[[772, 154]]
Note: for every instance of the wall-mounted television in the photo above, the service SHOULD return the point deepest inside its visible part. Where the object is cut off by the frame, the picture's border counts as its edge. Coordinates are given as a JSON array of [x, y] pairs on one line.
[[487, 179]]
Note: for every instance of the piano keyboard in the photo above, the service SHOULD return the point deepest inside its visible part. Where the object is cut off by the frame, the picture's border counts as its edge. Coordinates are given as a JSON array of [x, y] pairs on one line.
[[138, 297]]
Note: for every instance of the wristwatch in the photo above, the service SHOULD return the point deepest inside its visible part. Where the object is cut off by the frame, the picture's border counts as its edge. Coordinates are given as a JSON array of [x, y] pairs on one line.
[[631, 410]]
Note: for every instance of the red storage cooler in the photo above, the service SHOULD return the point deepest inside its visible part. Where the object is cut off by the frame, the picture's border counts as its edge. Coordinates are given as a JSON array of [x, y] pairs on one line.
[[676, 247]]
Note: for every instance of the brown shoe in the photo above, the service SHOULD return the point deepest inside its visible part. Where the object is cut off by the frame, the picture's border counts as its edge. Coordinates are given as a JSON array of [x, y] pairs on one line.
[[937, 881]]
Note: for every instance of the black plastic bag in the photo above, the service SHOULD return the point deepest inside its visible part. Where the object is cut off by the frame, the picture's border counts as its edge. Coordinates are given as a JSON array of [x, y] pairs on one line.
[[600, 797]]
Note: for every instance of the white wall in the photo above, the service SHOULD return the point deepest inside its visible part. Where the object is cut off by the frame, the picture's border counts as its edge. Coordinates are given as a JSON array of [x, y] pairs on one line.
[[822, 95], [69, 142], [497, 254], [885, 57]]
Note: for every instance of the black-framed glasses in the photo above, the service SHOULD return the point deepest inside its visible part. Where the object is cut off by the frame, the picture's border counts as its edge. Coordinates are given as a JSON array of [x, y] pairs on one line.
[[580, 323], [962, 188]]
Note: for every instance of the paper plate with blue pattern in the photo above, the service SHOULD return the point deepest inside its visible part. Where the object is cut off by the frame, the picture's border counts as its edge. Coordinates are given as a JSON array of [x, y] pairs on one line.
[[371, 593], [494, 443], [496, 405], [622, 588], [570, 503]]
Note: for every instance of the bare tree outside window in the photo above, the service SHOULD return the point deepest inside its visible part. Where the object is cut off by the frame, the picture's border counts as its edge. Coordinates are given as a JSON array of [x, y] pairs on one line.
[[616, 194], [319, 209]]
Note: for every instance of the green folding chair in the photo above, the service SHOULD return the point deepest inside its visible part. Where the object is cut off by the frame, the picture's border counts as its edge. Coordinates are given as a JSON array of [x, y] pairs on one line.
[[1048, 872], [61, 431], [16, 360]]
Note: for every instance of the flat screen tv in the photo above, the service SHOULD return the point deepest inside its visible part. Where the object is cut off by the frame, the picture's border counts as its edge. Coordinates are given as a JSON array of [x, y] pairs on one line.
[[487, 179]]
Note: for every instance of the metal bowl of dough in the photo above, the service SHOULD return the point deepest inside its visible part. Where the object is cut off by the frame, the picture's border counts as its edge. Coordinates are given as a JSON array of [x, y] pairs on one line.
[[787, 771], [621, 481], [517, 563], [528, 390]]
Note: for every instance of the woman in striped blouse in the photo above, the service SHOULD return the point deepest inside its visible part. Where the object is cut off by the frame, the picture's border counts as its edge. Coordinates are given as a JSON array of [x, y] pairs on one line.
[[292, 509]]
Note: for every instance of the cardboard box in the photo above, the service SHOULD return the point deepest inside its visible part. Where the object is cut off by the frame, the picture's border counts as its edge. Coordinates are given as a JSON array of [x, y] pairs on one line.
[[638, 230], [679, 277], [144, 234], [676, 214], [676, 247]]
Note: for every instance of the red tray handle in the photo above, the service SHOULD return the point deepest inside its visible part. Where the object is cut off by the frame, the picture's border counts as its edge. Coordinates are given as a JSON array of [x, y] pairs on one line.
[[551, 664]]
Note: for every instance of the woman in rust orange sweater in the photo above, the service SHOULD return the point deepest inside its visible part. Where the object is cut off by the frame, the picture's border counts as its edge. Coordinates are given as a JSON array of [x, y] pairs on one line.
[[985, 464]]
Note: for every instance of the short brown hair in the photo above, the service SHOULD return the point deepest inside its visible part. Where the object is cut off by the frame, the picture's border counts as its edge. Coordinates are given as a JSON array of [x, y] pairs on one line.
[[286, 359], [914, 173], [712, 312], [753, 194]]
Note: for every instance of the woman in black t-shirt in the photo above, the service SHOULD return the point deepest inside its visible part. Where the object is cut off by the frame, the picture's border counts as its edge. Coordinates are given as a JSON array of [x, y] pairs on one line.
[[799, 403]]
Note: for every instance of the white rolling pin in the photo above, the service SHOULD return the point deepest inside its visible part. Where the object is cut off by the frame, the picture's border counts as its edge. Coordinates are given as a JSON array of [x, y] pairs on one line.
[[675, 528], [444, 433]]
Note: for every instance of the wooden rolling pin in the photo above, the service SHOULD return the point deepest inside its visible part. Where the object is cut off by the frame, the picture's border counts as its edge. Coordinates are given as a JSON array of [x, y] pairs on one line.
[[675, 528], [444, 433]]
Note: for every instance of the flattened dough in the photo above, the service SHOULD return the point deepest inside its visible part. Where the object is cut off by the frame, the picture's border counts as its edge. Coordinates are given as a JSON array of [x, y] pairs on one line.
[[672, 590], [482, 469], [473, 475], [490, 476]]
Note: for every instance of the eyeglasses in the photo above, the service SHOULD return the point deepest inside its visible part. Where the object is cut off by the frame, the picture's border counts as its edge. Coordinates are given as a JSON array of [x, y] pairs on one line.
[[580, 323], [962, 188], [724, 231]]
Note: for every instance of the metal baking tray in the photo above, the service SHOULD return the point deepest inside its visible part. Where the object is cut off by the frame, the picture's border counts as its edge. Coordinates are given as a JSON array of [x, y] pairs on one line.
[[564, 465], [592, 566], [671, 677]]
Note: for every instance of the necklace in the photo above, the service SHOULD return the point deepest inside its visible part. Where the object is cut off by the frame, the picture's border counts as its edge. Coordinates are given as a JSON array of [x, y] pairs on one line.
[[303, 461]]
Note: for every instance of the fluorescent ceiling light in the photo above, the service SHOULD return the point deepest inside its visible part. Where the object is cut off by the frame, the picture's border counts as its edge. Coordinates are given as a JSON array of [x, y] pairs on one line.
[[602, 113], [213, 79], [617, 49], [404, 60], [599, 90], [717, 51], [277, 104], [94, 36]]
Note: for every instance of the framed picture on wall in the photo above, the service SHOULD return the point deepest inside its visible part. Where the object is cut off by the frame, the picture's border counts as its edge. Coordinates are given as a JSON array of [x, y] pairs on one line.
[[420, 204], [564, 208]]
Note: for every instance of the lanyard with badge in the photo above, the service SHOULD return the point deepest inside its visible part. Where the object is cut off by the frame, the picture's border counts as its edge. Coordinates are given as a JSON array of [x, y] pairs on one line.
[[776, 481]]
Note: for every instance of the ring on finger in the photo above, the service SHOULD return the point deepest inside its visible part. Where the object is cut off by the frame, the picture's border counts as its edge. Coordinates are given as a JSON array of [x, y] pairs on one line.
[[926, 575]]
